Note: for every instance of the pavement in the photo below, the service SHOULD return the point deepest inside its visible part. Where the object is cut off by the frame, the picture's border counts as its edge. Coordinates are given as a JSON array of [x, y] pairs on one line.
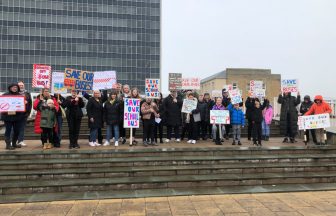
[[277, 204]]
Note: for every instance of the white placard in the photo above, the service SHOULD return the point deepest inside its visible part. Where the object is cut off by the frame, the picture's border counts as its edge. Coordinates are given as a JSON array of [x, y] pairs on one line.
[[104, 80], [314, 121], [57, 85], [12, 103], [219, 117], [188, 105]]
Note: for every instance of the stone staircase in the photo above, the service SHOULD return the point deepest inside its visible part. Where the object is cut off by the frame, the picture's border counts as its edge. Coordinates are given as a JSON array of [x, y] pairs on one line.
[[37, 175]]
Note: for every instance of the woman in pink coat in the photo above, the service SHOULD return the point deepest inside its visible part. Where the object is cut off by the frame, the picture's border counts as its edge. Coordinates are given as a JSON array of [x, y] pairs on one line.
[[267, 120]]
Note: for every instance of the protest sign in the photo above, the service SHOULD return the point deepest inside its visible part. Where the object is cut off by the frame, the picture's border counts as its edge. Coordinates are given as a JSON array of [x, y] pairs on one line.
[[152, 88], [259, 93], [256, 84], [175, 81], [12, 104], [57, 85], [104, 80], [188, 105], [219, 117], [235, 96], [228, 87], [314, 122], [290, 85], [41, 76], [78, 80], [131, 113], [191, 83], [216, 93]]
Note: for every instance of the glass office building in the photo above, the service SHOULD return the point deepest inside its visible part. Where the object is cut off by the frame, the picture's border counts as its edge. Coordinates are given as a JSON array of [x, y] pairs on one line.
[[92, 35]]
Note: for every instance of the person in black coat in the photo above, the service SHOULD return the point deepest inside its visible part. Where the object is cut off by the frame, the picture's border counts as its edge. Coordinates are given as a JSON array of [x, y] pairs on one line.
[[13, 120], [112, 112], [94, 110], [172, 106], [210, 104], [226, 102], [74, 115], [205, 116], [249, 104], [191, 121], [257, 118], [160, 113], [29, 104], [305, 106], [289, 115], [57, 138]]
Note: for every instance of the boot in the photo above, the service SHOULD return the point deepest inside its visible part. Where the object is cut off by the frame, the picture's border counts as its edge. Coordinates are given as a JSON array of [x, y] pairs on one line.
[[285, 140], [45, 146], [8, 144], [49, 145]]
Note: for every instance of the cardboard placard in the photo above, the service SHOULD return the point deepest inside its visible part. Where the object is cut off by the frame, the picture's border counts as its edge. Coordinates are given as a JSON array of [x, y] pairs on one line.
[[191, 83], [188, 105], [219, 117], [12, 103], [314, 121], [57, 85], [175, 81], [235, 96], [290, 85], [78, 79], [41, 76], [131, 113], [152, 88], [216, 93], [104, 80]]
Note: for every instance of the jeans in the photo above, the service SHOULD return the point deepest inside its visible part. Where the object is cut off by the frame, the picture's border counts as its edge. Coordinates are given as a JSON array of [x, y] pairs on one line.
[[265, 129], [59, 129], [22, 130], [74, 127], [203, 127], [176, 132], [192, 130], [320, 135], [109, 132], [236, 131], [93, 134], [156, 128], [15, 126]]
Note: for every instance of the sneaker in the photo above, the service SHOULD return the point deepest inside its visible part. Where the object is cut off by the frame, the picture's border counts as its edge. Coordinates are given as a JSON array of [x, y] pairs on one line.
[[178, 140], [145, 143], [189, 141], [116, 143], [92, 144], [22, 144], [167, 140], [106, 143], [97, 144], [193, 142]]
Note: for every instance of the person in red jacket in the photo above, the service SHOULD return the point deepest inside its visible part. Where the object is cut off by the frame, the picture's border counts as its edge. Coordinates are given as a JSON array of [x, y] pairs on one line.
[[319, 107]]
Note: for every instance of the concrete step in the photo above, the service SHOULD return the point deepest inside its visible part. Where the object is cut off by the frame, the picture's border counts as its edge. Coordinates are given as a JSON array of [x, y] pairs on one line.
[[161, 182]]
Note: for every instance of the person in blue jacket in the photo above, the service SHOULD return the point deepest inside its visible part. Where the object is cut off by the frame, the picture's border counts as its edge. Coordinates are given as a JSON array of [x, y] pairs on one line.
[[237, 119]]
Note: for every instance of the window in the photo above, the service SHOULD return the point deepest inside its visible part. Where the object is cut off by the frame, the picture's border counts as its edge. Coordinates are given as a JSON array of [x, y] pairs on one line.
[[234, 85]]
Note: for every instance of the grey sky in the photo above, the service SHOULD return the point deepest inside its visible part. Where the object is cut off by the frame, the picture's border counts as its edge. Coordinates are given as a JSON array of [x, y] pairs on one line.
[[296, 38]]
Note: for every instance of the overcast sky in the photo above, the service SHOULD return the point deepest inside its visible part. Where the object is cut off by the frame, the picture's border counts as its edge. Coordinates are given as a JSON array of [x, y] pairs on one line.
[[295, 38]]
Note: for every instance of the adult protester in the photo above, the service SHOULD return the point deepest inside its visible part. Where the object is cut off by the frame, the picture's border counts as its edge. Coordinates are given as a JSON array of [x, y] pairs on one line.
[[249, 104], [172, 106], [305, 106], [289, 115], [210, 104], [160, 119], [94, 110], [28, 102], [135, 95], [112, 111], [59, 117], [205, 116], [74, 115]]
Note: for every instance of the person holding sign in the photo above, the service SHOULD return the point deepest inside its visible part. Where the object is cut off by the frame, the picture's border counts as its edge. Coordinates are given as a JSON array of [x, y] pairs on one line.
[[148, 117], [12, 119], [74, 115], [192, 120], [319, 107], [94, 110], [172, 106], [289, 115], [218, 106]]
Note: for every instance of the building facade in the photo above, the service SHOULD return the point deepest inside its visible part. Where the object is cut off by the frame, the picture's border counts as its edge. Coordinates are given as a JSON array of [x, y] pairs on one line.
[[240, 78], [92, 35]]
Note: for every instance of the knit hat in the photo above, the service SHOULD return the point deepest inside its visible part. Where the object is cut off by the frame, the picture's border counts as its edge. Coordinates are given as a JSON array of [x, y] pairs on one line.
[[50, 101]]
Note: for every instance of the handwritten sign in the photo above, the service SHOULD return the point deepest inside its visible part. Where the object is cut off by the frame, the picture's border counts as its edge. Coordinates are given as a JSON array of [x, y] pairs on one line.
[[188, 105], [175, 81], [235, 96], [191, 83], [131, 113], [78, 80], [216, 93], [152, 88], [104, 80], [290, 85], [41, 76], [57, 85], [12, 104], [314, 122], [219, 117], [259, 93]]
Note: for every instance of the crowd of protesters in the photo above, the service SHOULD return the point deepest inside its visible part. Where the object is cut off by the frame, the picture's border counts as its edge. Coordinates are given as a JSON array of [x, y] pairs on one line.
[[106, 109]]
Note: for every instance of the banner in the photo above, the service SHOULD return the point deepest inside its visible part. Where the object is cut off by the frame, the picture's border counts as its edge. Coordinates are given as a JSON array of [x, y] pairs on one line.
[[152, 88], [191, 83], [175, 81], [131, 113], [235, 96], [216, 93], [290, 85], [219, 117], [12, 104], [41, 76], [78, 80], [314, 122], [188, 105], [104, 80], [57, 83]]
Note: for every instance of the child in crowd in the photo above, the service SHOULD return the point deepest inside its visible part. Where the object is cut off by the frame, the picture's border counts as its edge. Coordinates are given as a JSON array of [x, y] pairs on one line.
[[267, 119], [237, 121], [319, 107], [48, 122], [148, 116], [218, 106], [257, 118]]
